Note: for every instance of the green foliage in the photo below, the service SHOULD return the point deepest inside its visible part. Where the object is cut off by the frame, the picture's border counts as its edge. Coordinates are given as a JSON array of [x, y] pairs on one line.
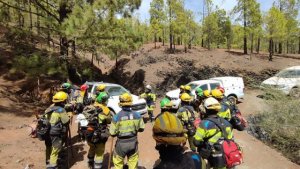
[[37, 65], [275, 23], [281, 123]]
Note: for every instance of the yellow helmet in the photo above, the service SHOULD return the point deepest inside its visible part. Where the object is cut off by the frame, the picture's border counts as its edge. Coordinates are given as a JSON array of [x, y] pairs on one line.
[[212, 104], [101, 87], [60, 97], [181, 87], [125, 99], [206, 93], [185, 97], [216, 93], [187, 88]]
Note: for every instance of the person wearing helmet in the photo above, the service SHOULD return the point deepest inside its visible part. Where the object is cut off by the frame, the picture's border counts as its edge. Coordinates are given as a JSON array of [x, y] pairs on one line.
[[209, 134], [187, 116], [150, 98], [181, 89], [100, 88], [58, 120], [170, 137], [99, 117], [81, 98], [66, 87], [188, 90], [225, 106], [197, 102], [125, 126]]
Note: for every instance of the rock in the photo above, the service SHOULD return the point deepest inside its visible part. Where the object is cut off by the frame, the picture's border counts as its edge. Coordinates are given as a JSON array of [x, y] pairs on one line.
[[19, 160], [29, 166], [21, 126]]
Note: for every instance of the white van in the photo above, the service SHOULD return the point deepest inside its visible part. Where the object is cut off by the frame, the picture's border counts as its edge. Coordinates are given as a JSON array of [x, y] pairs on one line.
[[233, 86]]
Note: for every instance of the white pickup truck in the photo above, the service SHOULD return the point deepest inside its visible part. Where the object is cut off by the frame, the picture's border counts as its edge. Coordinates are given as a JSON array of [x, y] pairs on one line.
[[233, 86], [114, 91]]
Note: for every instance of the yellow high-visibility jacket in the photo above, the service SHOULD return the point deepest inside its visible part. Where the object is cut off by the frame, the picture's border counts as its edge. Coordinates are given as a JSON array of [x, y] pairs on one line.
[[126, 124]]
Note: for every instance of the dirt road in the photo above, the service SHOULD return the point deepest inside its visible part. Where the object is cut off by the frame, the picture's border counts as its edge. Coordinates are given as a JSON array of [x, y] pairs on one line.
[[17, 149]]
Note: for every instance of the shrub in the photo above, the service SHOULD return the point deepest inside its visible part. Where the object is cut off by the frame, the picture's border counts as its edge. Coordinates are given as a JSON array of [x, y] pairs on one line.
[[282, 124]]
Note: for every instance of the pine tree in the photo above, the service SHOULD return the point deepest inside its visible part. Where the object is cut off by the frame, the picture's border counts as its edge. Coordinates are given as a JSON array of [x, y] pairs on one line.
[[157, 17]]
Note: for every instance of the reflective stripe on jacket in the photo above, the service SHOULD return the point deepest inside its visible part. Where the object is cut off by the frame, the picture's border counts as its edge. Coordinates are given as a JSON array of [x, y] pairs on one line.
[[209, 131], [126, 124]]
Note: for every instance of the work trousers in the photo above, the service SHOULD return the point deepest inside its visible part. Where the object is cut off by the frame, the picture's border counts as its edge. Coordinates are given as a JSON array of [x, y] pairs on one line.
[[126, 148]]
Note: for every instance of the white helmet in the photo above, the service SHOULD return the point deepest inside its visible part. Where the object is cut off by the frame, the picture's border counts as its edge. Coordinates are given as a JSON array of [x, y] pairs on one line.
[[149, 87], [212, 104]]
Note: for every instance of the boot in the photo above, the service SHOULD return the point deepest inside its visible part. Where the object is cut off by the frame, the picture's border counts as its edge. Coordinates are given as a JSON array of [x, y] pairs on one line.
[[91, 162]]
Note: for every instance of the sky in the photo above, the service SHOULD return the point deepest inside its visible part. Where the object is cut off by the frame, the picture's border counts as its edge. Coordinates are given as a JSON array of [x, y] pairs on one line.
[[196, 7]]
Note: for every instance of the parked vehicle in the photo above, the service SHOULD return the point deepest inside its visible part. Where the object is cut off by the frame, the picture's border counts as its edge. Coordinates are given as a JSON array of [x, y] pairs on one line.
[[234, 88], [114, 91], [287, 81]]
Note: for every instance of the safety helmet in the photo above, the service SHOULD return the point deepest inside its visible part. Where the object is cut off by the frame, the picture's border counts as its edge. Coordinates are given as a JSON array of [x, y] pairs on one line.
[[101, 87], [221, 89], [66, 86], [102, 97], [206, 93], [125, 99], [149, 87], [212, 104], [181, 87], [84, 87], [216, 93], [199, 92], [165, 103], [187, 88], [185, 97], [168, 130], [59, 97]]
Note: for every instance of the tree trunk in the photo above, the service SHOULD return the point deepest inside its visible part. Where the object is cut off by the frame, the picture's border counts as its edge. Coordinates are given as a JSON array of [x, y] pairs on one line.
[[275, 45], [155, 40], [30, 14], [163, 39], [92, 61], [271, 49], [287, 46], [38, 24], [245, 34], [252, 38], [299, 46], [258, 45], [202, 43], [280, 48], [62, 16], [73, 48]]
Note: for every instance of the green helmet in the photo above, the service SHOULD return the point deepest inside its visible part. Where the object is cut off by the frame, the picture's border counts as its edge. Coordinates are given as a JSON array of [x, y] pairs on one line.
[[102, 97], [199, 91], [165, 103], [66, 86]]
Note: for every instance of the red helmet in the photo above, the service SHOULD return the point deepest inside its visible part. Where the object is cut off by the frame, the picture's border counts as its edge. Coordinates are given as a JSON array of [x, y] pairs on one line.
[[221, 89], [84, 87]]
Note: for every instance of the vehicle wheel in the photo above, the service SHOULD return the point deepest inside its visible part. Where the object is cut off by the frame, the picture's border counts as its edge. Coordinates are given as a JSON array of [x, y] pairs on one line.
[[232, 99], [295, 92]]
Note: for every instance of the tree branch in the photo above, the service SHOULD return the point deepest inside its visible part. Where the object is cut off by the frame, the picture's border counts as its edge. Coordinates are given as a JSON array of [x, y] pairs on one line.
[[20, 9], [47, 11]]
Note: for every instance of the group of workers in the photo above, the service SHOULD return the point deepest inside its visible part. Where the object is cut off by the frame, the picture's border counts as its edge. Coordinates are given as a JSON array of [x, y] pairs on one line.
[[196, 121]]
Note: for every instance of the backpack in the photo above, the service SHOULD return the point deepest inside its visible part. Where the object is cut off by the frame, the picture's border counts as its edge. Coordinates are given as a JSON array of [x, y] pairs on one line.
[[190, 123], [96, 133], [231, 150], [43, 124], [168, 129]]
